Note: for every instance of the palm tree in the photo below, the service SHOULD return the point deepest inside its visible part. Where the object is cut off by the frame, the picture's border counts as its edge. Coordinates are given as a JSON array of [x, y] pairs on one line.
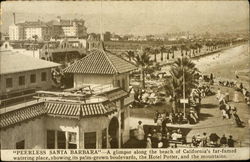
[[199, 46], [193, 47], [182, 47], [168, 52], [162, 50], [173, 48], [154, 51], [130, 54], [187, 49], [181, 67], [143, 60]]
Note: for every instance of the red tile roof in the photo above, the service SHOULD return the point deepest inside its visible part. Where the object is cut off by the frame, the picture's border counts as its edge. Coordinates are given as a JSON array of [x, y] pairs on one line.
[[62, 109], [23, 114], [71, 110], [100, 62]]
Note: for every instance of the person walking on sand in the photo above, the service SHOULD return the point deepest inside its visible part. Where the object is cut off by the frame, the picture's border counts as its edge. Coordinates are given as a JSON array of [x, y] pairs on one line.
[[236, 96], [218, 95]]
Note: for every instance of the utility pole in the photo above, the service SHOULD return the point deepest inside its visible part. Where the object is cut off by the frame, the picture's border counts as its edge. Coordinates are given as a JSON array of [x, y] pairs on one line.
[[184, 90]]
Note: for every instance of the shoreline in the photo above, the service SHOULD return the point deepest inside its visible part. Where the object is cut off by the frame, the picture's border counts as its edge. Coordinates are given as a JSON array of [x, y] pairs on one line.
[[205, 54]]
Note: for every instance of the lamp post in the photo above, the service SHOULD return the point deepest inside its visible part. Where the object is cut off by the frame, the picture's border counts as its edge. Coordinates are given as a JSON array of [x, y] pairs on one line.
[[184, 87]]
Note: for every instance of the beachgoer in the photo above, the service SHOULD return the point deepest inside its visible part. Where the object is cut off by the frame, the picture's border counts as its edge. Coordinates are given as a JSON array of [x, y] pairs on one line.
[[230, 141], [149, 142], [223, 141], [140, 135]]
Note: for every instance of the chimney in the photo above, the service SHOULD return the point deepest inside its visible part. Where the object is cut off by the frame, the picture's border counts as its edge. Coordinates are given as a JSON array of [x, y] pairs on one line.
[[14, 16]]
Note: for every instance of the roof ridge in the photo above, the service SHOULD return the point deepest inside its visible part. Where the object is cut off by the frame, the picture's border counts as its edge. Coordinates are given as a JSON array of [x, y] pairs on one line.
[[112, 64], [124, 59], [78, 61]]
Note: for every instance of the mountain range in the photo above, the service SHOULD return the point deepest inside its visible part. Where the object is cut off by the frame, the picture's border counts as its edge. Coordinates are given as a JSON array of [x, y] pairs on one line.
[[124, 24]]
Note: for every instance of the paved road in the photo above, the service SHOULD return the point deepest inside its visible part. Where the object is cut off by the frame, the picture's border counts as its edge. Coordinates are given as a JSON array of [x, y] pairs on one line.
[[212, 121]]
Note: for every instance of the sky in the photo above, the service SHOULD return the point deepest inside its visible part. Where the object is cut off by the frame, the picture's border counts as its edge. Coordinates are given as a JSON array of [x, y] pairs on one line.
[[141, 17]]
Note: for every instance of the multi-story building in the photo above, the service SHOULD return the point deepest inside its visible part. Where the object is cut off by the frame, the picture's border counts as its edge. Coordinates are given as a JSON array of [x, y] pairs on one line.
[[29, 31], [19, 73], [68, 28], [59, 28], [16, 32]]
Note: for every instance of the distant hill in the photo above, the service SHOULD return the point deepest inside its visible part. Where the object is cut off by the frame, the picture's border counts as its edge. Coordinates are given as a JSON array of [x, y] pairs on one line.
[[134, 25]]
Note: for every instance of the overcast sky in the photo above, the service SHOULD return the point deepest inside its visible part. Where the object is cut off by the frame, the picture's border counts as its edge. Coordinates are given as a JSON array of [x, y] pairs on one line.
[[135, 14]]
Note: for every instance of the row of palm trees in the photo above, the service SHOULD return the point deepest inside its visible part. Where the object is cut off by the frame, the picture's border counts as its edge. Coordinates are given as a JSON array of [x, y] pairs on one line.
[[189, 49], [173, 86]]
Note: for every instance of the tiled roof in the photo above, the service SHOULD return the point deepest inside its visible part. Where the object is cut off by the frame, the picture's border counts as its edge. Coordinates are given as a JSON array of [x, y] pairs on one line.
[[62, 109], [11, 62], [97, 109], [78, 110], [75, 110], [100, 62], [23, 114]]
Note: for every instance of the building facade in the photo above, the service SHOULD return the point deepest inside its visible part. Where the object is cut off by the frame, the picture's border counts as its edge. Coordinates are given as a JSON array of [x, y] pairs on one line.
[[39, 30], [16, 32], [68, 28], [22, 75], [89, 115]]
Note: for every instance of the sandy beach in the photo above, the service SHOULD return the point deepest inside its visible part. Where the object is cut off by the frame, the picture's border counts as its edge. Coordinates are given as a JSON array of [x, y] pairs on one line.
[[225, 64]]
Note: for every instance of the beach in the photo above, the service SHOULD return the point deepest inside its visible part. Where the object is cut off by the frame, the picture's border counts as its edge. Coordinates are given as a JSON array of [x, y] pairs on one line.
[[226, 64]]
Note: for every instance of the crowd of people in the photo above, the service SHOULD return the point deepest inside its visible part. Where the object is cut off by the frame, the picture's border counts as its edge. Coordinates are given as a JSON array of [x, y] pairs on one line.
[[147, 97], [238, 88], [228, 111], [213, 140], [161, 119], [159, 137]]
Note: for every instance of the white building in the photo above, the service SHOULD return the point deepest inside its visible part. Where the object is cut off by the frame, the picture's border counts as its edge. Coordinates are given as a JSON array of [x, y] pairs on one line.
[[16, 32], [80, 117]]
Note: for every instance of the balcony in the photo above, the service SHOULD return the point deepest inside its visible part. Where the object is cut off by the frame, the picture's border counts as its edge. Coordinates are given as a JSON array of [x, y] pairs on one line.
[[15, 97]]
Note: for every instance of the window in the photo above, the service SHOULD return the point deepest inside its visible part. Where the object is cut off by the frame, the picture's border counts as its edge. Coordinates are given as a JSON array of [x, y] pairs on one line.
[[9, 83], [72, 140], [123, 84], [61, 140], [104, 138], [90, 140], [50, 139], [32, 78], [118, 83], [44, 76], [20, 144], [122, 120], [21, 80]]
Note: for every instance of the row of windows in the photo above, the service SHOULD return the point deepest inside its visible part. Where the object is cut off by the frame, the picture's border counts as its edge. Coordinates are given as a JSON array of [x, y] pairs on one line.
[[21, 80], [62, 142], [89, 140]]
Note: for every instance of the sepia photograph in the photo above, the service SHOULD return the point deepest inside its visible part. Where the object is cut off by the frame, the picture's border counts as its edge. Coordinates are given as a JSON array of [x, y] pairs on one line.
[[124, 80]]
